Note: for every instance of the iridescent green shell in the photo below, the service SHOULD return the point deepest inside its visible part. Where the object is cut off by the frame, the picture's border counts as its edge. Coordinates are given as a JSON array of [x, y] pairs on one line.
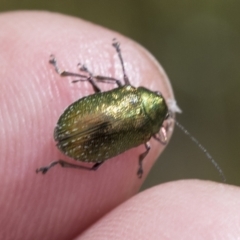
[[105, 124]]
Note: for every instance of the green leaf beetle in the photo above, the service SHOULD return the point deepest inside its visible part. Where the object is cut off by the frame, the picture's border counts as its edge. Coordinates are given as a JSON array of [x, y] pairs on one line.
[[105, 124]]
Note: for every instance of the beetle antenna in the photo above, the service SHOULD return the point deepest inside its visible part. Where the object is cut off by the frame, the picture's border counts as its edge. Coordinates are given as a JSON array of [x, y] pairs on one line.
[[211, 159]]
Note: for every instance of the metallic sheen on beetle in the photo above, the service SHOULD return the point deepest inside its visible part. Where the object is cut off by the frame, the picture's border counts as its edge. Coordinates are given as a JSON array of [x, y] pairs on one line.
[[105, 124]]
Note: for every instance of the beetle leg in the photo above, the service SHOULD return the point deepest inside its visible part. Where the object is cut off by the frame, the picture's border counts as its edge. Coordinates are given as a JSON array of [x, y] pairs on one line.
[[91, 81], [103, 79], [100, 78], [116, 45], [63, 73], [91, 77], [141, 157], [70, 165], [83, 68], [161, 136], [94, 85]]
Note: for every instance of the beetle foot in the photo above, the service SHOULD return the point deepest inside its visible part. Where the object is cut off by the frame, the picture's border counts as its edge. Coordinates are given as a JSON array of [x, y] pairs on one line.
[[42, 169], [140, 172]]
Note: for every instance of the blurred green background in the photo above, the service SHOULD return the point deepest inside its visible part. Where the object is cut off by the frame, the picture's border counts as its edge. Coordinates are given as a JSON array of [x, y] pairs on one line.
[[198, 44]]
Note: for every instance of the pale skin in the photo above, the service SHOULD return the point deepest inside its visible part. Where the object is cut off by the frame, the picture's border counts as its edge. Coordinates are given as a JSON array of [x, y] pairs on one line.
[[65, 202]]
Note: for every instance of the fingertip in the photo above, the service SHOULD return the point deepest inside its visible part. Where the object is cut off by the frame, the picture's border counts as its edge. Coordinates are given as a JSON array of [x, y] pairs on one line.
[[191, 209], [34, 97]]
